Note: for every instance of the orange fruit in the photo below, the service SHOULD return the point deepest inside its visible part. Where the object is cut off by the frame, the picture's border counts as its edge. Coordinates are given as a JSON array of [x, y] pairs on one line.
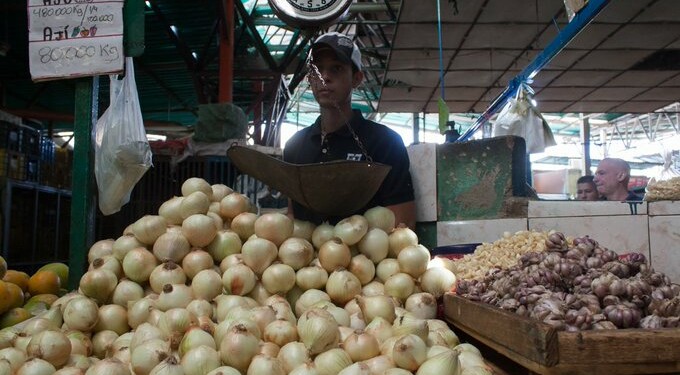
[[17, 278], [16, 295], [3, 267], [14, 316], [44, 282], [4, 297]]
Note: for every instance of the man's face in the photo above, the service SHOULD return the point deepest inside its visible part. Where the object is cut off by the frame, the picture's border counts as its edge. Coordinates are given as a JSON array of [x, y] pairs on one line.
[[587, 192], [607, 178], [334, 87]]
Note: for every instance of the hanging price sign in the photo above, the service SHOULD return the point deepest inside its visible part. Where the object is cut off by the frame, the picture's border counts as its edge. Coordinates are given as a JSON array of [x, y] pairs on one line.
[[74, 38]]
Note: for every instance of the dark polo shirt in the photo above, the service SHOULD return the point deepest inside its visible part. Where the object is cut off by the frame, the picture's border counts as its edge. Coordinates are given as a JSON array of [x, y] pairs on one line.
[[383, 144]]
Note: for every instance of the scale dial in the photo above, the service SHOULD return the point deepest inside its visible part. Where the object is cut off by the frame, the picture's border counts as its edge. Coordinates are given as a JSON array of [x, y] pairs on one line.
[[310, 13]]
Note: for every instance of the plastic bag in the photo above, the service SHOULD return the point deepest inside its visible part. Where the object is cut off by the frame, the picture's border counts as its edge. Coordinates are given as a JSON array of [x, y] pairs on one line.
[[666, 184], [518, 117], [122, 151]]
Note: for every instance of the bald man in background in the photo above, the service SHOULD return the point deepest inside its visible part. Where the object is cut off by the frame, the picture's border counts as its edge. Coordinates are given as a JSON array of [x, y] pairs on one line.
[[611, 179]]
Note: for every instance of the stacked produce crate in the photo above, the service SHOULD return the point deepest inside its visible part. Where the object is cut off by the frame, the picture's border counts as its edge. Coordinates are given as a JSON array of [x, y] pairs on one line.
[[19, 152]]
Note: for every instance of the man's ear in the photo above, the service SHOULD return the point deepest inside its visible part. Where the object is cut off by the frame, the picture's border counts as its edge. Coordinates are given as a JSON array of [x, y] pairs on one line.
[[621, 176], [357, 78]]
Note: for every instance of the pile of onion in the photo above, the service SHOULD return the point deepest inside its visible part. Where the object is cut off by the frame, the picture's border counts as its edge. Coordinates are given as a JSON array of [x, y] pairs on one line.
[[206, 286]]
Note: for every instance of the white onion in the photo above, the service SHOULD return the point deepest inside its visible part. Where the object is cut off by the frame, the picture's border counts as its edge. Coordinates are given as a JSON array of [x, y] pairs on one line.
[[244, 225], [51, 346], [231, 260], [380, 328], [442, 336], [217, 220], [308, 368], [169, 366], [225, 243], [206, 285], [262, 364], [174, 296], [101, 342], [303, 229], [194, 338], [195, 261], [296, 252], [145, 332], [258, 254], [318, 330], [446, 362], [342, 286], [112, 318], [375, 245], [200, 360], [401, 237], [193, 184], [322, 233], [174, 323], [350, 230], [361, 346], [259, 293], [380, 217], [308, 299], [108, 262], [293, 354], [100, 249], [278, 278], [148, 228], [199, 230], [357, 321], [127, 291], [170, 210], [400, 285], [332, 361], [334, 254], [224, 370], [14, 357], [357, 368], [238, 347], [80, 343], [386, 268], [280, 332], [262, 316], [138, 311], [145, 357], [194, 203], [374, 288], [98, 284], [239, 280], [138, 265], [81, 313], [437, 281], [413, 260], [227, 302], [379, 364], [171, 246], [409, 352], [166, 273], [363, 268], [376, 306], [234, 204], [311, 277], [219, 191], [422, 305], [201, 308], [124, 244], [273, 226], [36, 366]]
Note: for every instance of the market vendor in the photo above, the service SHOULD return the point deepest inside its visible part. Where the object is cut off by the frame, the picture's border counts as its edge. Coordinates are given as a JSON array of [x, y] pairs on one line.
[[611, 179], [341, 133]]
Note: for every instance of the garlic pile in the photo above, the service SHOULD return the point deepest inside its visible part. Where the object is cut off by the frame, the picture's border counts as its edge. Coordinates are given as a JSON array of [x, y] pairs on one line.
[[208, 287], [581, 285]]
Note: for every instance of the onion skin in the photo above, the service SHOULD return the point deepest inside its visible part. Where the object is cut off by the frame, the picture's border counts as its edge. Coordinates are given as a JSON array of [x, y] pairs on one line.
[[274, 226]]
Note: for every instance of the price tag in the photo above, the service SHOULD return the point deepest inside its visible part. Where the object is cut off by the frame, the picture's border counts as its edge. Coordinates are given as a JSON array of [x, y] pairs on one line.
[[74, 38]]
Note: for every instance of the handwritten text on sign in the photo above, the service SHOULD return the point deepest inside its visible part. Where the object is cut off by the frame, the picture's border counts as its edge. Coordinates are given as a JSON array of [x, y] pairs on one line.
[[71, 38]]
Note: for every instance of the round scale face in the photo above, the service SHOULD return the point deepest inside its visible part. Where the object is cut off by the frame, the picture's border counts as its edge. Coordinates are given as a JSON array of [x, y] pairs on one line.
[[309, 13]]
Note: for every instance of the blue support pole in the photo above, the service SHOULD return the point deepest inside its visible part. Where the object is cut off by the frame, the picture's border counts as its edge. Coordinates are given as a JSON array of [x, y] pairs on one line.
[[566, 35]]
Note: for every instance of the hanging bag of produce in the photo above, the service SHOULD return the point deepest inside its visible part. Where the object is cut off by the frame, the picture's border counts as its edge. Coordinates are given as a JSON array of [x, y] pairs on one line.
[[122, 152], [665, 185], [519, 117]]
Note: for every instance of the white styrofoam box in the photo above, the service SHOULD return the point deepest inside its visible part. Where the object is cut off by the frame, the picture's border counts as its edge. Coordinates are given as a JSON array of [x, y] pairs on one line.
[[580, 208], [664, 208], [664, 242], [622, 234], [476, 231], [423, 158]]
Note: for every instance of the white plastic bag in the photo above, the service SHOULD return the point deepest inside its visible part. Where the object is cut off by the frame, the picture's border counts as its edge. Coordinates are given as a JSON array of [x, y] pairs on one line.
[[122, 152], [518, 117], [666, 184]]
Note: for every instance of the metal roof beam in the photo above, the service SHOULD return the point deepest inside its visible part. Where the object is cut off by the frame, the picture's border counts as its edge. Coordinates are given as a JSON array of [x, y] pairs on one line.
[[257, 39], [150, 72]]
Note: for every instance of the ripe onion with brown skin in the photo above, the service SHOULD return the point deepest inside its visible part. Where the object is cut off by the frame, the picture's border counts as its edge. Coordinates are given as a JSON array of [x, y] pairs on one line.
[[166, 273], [303, 229], [206, 285], [171, 246], [98, 284], [238, 348], [363, 268], [108, 262], [361, 346], [311, 277], [100, 249], [350, 230], [322, 233], [342, 286], [138, 265], [194, 203], [148, 228], [193, 184], [296, 252], [239, 280], [274, 226], [234, 204], [244, 225], [170, 210], [334, 254], [124, 244], [196, 261], [399, 238], [219, 191], [199, 230], [278, 278], [258, 254]]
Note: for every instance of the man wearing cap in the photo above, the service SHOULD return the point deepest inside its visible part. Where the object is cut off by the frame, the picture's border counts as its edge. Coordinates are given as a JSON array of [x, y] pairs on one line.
[[341, 133]]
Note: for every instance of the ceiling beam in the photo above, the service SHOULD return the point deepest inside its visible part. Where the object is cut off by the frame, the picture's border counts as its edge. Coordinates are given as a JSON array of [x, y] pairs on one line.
[[257, 39], [151, 73], [184, 52]]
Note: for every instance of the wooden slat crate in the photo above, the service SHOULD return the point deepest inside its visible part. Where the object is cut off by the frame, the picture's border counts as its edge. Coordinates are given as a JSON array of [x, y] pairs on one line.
[[544, 350]]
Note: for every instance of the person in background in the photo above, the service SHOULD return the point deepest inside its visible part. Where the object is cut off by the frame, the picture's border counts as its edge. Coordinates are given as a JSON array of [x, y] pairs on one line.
[[586, 189], [611, 179], [341, 133]]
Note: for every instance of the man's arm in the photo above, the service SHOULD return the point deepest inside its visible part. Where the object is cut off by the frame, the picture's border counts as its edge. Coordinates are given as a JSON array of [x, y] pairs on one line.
[[405, 213], [290, 209]]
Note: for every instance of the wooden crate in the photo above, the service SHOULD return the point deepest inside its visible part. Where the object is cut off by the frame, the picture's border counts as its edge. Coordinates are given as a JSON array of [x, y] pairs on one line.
[[544, 350]]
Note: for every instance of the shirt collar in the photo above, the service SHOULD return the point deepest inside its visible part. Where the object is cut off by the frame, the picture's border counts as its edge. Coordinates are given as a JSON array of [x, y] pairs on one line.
[[354, 122]]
